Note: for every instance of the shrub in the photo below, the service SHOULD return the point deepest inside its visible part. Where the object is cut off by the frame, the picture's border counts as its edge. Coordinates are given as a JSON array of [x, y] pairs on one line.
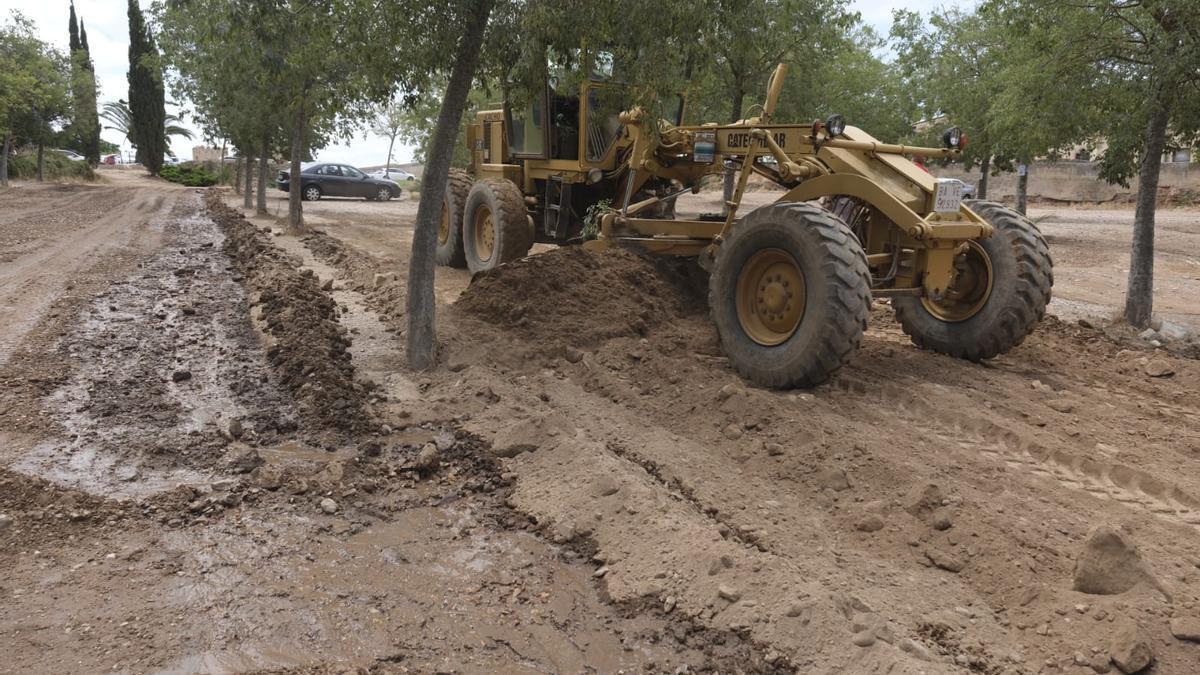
[[190, 175], [23, 166]]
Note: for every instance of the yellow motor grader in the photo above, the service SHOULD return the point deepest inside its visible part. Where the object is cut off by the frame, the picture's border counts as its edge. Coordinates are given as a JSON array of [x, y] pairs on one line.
[[791, 283]]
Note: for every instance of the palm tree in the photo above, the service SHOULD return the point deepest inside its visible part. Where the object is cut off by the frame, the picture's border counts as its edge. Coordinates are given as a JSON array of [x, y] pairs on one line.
[[117, 113]]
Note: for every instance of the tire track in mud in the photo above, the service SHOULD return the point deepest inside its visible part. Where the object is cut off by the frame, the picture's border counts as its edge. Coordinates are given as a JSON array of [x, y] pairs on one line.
[[975, 430]]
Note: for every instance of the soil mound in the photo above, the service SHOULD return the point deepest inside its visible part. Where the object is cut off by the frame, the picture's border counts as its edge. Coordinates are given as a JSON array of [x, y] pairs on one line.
[[576, 297], [310, 353]]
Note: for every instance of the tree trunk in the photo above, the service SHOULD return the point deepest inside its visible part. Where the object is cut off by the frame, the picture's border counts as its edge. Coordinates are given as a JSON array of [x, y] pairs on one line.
[[262, 175], [391, 143], [1023, 189], [421, 304], [1139, 296], [248, 193], [739, 98], [237, 174], [4, 160], [985, 167], [295, 214]]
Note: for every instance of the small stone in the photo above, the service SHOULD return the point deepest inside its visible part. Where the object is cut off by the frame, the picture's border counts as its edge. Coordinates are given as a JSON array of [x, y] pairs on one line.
[[728, 390], [1062, 405], [6, 521], [381, 279], [572, 355], [370, 449], [329, 506], [244, 460], [1130, 649], [1082, 608], [1087, 323], [869, 523], [267, 477], [1159, 368], [733, 431], [1186, 628], [427, 460], [181, 375], [773, 449], [833, 478], [944, 559], [1100, 663], [127, 473], [863, 639], [942, 521], [600, 572], [235, 428], [328, 285], [669, 604], [188, 310], [916, 649], [729, 593]]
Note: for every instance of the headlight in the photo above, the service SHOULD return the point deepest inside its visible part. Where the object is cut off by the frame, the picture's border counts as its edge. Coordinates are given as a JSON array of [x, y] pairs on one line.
[[835, 125], [954, 138]]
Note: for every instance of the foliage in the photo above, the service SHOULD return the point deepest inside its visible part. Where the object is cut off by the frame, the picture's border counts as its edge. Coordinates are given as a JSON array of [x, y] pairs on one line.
[[117, 114], [85, 123], [146, 128], [591, 219], [191, 175], [23, 165]]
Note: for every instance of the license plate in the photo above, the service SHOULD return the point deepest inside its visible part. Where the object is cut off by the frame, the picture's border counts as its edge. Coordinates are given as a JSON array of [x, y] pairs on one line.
[[704, 147], [947, 198]]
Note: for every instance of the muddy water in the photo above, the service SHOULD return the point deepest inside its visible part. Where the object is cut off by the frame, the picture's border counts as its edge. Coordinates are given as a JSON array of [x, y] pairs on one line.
[[165, 360]]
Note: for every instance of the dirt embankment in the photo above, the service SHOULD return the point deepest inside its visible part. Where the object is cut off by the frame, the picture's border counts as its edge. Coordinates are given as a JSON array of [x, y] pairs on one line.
[[310, 349]]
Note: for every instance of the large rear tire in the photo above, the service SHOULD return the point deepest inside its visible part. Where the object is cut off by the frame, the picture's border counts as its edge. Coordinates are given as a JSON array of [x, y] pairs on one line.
[[449, 252], [496, 226], [790, 294], [998, 298]]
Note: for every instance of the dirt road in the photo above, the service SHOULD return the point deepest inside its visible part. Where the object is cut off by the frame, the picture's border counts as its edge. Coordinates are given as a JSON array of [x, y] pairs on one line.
[[215, 462]]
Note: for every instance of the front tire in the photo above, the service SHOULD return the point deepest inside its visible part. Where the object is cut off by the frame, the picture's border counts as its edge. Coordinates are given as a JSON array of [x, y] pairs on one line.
[[311, 193], [496, 225], [1011, 276], [449, 251], [384, 194], [790, 295]]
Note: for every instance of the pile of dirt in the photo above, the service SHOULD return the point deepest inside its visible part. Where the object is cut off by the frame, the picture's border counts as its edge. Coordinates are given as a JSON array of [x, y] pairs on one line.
[[310, 350], [572, 297]]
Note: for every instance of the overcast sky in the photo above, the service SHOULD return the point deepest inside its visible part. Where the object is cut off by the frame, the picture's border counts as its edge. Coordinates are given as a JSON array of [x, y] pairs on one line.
[[108, 38]]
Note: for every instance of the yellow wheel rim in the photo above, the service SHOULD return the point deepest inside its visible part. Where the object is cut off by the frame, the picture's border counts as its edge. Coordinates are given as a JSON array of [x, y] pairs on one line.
[[970, 289], [444, 226], [485, 233], [770, 296]]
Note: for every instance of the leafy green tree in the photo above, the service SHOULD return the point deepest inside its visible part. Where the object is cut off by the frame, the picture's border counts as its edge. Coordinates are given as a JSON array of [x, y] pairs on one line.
[[313, 68], [1133, 81], [147, 102], [951, 67], [33, 89]]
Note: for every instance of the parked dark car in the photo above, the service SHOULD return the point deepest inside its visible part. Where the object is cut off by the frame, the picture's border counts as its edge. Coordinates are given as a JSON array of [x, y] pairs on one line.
[[328, 179]]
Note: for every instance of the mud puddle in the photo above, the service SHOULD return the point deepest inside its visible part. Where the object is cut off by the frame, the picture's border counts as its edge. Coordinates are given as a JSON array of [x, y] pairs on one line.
[[164, 361]]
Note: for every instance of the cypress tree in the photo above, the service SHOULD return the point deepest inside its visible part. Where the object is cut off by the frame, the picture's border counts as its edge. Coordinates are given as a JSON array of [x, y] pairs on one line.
[[74, 29], [147, 102], [86, 123]]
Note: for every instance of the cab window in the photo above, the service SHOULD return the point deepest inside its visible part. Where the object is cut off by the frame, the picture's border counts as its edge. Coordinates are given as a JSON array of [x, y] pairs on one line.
[[527, 129], [351, 172]]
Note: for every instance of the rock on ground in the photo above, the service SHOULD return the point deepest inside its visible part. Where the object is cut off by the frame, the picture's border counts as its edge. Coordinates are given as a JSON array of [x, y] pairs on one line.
[[1130, 649], [1109, 564]]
